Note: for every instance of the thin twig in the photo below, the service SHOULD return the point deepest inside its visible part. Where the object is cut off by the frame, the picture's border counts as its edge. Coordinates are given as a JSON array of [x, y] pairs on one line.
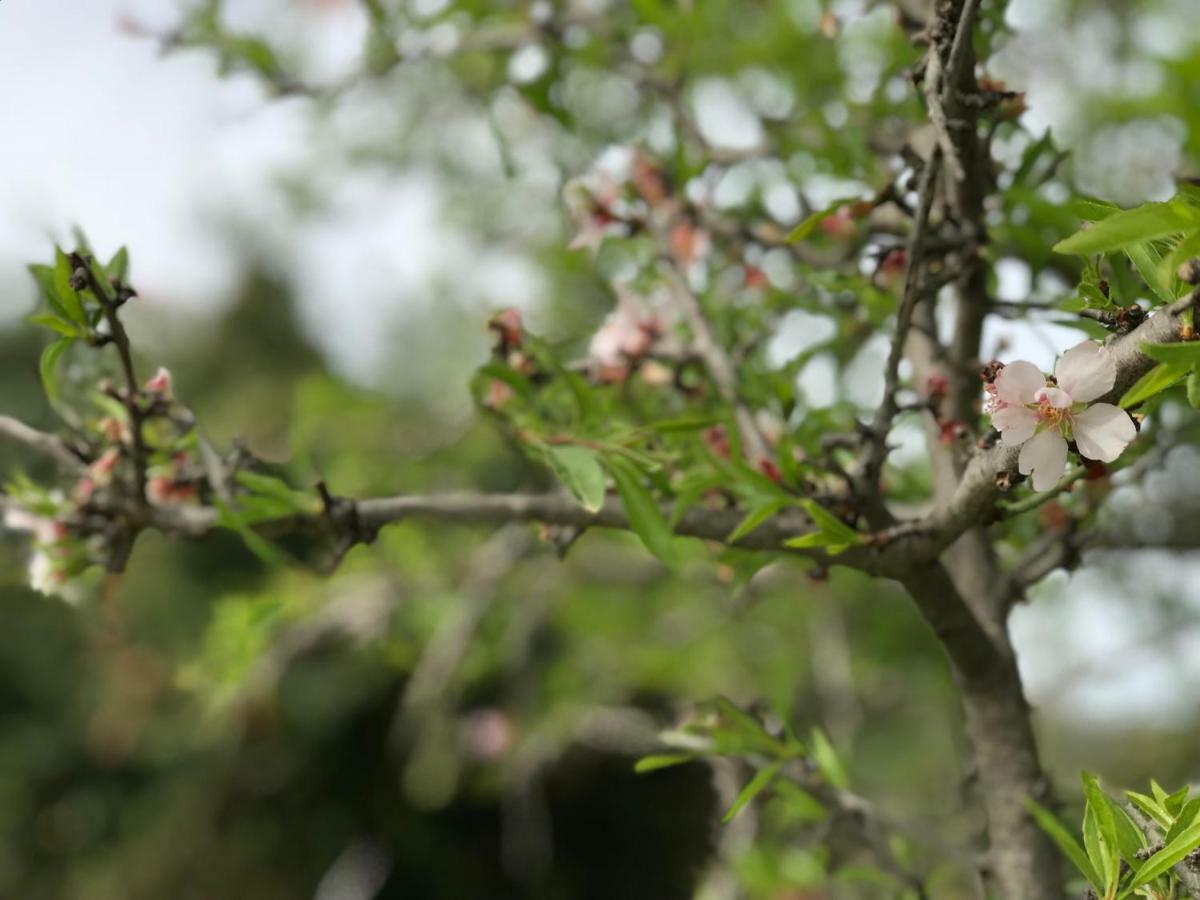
[[881, 426], [720, 367], [47, 444], [120, 340]]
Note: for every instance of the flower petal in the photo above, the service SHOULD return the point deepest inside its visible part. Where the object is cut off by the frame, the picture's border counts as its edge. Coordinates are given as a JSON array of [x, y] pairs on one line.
[[1053, 396], [1102, 431], [1086, 371], [1019, 381], [1016, 424], [1045, 456]]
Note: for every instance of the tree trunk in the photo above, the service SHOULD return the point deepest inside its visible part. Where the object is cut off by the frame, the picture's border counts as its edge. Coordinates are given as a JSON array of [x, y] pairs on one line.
[[1024, 863]]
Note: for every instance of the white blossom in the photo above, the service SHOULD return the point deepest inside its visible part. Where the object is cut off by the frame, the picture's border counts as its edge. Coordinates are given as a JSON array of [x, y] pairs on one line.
[[1040, 415]]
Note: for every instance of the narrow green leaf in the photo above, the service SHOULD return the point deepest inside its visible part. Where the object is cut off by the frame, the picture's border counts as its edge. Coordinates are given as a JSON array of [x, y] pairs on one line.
[[645, 515], [747, 727], [828, 761], [1193, 388], [1159, 793], [830, 525], [1100, 813], [817, 539], [661, 761], [1130, 838], [1128, 227], [49, 365], [809, 224], [44, 276], [759, 514], [55, 323], [1150, 807], [1103, 812], [255, 542], [1096, 850], [1187, 817], [1147, 259], [755, 787], [118, 266], [579, 469], [1066, 842], [287, 500], [1162, 861], [1182, 352], [1154, 382], [69, 297], [1174, 802]]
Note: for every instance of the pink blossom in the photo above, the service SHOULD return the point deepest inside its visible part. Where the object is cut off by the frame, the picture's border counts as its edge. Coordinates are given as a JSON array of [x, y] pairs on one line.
[[626, 335], [160, 383], [1040, 415]]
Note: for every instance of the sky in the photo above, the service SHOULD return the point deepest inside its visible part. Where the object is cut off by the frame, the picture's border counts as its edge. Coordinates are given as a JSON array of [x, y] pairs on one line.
[[98, 130]]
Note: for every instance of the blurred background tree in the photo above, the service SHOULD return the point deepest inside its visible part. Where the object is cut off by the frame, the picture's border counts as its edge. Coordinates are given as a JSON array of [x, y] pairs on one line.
[[457, 710]]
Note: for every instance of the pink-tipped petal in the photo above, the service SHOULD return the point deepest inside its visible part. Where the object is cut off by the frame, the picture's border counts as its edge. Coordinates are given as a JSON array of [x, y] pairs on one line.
[[1086, 371], [1102, 431], [1016, 424], [1044, 456], [1018, 382], [1053, 396]]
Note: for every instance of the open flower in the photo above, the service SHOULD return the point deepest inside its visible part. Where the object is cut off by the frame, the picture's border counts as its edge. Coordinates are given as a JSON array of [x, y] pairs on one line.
[[1040, 415]]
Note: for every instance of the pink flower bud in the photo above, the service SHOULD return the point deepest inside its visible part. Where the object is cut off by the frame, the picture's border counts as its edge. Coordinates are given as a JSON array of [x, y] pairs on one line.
[[160, 383]]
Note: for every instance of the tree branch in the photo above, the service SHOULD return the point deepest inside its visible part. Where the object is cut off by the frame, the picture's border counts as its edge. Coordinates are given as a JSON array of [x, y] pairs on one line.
[[881, 426], [720, 367], [46, 444]]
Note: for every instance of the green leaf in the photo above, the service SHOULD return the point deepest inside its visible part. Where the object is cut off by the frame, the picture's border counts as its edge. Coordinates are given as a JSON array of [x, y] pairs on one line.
[[1162, 861], [255, 542], [832, 533], [1066, 842], [661, 761], [55, 323], [118, 267], [1147, 258], [69, 297], [1130, 838], [580, 472], [1159, 794], [1182, 352], [746, 727], [1096, 850], [1193, 388], [1174, 802], [755, 787], [828, 761], [645, 515], [809, 224], [1124, 229], [1154, 382], [276, 498], [1150, 807], [1102, 845], [49, 365], [759, 514], [1188, 816], [829, 523]]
